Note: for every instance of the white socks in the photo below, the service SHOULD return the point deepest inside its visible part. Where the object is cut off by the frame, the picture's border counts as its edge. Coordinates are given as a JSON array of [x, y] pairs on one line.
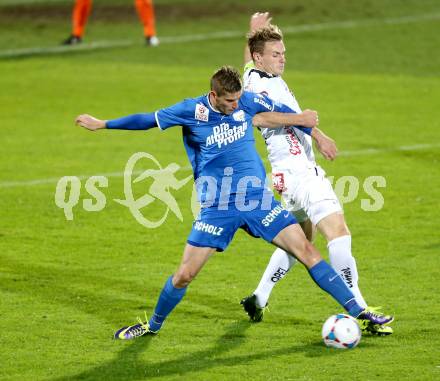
[[279, 264], [345, 265], [340, 259]]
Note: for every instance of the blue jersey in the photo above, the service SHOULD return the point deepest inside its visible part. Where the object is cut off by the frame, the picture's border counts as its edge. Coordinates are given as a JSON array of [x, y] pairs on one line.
[[221, 148]]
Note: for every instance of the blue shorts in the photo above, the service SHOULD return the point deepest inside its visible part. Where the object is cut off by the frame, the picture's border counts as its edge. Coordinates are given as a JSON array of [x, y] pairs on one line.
[[215, 228]]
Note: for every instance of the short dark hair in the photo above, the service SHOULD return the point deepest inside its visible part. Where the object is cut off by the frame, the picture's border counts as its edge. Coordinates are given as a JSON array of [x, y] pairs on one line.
[[227, 79], [258, 38]]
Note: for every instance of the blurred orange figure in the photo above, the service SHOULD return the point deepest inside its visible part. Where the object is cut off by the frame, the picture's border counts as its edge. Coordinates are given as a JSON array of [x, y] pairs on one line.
[[82, 9]]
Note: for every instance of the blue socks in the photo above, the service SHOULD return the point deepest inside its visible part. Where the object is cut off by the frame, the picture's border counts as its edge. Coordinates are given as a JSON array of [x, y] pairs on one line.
[[326, 278], [168, 299]]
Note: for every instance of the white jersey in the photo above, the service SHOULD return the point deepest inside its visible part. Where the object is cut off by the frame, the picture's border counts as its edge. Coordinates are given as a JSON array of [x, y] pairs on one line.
[[289, 148], [305, 190]]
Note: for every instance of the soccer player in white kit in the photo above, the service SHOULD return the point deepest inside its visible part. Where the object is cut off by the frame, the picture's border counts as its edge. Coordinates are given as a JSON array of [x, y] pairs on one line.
[[305, 190]]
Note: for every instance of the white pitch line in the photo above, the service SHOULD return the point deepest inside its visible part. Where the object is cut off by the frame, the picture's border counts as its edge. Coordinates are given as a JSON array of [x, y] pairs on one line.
[[372, 151], [9, 184], [63, 49], [13, 53], [368, 151], [26, 2]]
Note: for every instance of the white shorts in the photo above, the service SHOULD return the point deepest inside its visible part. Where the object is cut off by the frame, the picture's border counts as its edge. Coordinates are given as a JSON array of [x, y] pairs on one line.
[[307, 195]]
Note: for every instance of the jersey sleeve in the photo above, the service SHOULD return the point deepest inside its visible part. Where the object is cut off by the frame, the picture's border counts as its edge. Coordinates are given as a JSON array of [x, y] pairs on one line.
[[254, 103], [279, 107], [176, 115], [257, 103], [133, 122]]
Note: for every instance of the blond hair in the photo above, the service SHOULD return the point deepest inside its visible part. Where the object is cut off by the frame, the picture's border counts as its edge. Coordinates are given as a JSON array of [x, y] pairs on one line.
[[257, 39]]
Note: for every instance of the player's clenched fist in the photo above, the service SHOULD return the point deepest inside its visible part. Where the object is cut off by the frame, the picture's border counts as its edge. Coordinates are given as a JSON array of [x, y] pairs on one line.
[[310, 118], [89, 122]]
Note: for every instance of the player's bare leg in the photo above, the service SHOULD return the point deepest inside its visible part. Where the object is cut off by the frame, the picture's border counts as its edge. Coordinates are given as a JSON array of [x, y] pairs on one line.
[[194, 258], [293, 240]]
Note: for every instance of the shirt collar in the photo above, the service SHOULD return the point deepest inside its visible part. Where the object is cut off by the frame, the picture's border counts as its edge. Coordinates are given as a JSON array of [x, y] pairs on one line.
[[211, 106], [263, 74]]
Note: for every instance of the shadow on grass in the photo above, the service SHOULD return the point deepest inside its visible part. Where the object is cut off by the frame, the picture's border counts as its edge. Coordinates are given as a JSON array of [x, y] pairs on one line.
[[91, 293], [74, 288], [132, 362], [128, 365]]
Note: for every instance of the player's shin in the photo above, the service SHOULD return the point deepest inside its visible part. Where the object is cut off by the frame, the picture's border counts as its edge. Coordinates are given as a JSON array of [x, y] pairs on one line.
[[168, 299], [278, 266], [327, 279], [344, 264]]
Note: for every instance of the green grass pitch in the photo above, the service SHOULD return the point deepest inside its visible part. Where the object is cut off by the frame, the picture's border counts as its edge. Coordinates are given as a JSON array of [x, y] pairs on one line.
[[372, 70]]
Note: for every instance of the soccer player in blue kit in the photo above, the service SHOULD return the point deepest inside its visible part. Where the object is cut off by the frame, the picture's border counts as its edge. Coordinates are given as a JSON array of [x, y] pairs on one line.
[[230, 180]]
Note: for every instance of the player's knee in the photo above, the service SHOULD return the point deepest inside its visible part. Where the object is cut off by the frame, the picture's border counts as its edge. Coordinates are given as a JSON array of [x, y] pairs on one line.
[[311, 254], [183, 277]]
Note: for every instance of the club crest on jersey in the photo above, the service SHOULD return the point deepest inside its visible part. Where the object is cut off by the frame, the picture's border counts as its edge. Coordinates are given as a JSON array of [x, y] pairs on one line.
[[202, 113], [278, 182], [239, 116]]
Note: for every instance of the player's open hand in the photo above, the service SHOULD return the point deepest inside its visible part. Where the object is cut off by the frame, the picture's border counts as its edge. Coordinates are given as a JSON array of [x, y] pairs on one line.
[[89, 122], [259, 20], [310, 118], [325, 145]]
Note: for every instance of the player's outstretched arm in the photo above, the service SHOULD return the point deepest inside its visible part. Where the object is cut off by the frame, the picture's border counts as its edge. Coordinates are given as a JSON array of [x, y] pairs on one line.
[[90, 122], [325, 144], [308, 118], [131, 122]]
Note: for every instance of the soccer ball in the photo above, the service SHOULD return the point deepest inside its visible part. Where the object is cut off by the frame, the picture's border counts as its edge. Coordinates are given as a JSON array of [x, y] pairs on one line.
[[341, 331]]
